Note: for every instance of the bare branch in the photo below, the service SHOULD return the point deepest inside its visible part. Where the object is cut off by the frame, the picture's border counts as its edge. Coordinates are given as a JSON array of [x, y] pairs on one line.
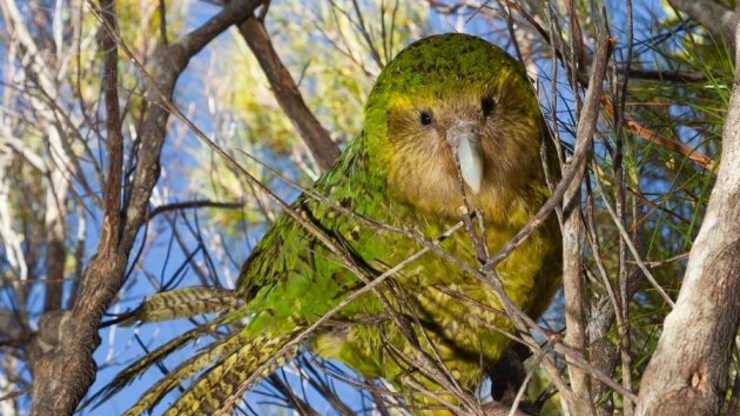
[[659, 75], [201, 203], [580, 402], [112, 190], [163, 23], [323, 149], [61, 361], [673, 145]]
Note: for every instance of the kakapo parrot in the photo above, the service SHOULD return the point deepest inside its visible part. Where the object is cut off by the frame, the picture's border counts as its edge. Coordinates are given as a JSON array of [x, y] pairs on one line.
[[451, 122]]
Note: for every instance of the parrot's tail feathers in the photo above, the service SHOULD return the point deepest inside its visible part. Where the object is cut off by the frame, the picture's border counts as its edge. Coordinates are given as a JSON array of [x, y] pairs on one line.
[[218, 389], [127, 375], [183, 303], [209, 355]]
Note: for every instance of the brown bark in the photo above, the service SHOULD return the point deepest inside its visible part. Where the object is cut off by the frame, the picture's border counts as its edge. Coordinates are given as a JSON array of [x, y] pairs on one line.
[[687, 374], [573, 293], [580, 402], [61, 355], [323, 149], [56, 253]]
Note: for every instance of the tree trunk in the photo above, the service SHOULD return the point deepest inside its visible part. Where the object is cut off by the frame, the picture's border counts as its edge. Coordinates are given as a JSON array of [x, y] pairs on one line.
[[687, 374]]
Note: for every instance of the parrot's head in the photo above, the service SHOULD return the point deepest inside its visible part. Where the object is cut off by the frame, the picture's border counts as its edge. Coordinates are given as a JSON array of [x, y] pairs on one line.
[[454, 100]]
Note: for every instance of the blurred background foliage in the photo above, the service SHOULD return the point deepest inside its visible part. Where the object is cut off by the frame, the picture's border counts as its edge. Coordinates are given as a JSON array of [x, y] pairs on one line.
[[334, 66]]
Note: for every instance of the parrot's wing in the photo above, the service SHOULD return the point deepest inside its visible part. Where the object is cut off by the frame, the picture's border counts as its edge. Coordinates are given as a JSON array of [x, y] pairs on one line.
[[290, 280]]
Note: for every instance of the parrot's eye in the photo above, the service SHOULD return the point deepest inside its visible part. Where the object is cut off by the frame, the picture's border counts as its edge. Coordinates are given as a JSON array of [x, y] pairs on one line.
[[425, 118], [487, 105]]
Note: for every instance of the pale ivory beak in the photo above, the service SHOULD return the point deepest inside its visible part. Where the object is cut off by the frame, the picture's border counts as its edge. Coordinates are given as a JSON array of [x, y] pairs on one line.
[[464, 139]]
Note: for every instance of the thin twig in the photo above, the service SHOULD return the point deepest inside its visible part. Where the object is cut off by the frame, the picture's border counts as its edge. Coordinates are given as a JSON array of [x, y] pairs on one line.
[[202, 203]]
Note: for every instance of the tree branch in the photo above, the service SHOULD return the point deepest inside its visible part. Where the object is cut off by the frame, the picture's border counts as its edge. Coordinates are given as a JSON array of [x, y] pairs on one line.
[[61, 356], [114, 142], [323, 149], [580, 402], [200, 203], [660, 75], [674, 145]]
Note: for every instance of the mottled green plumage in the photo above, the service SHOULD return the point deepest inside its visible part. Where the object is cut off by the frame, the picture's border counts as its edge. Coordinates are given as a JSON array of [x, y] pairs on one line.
[[399, 172]]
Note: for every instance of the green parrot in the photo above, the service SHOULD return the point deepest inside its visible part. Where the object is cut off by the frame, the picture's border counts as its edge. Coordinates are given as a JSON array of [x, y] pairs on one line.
[[451, 124]]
